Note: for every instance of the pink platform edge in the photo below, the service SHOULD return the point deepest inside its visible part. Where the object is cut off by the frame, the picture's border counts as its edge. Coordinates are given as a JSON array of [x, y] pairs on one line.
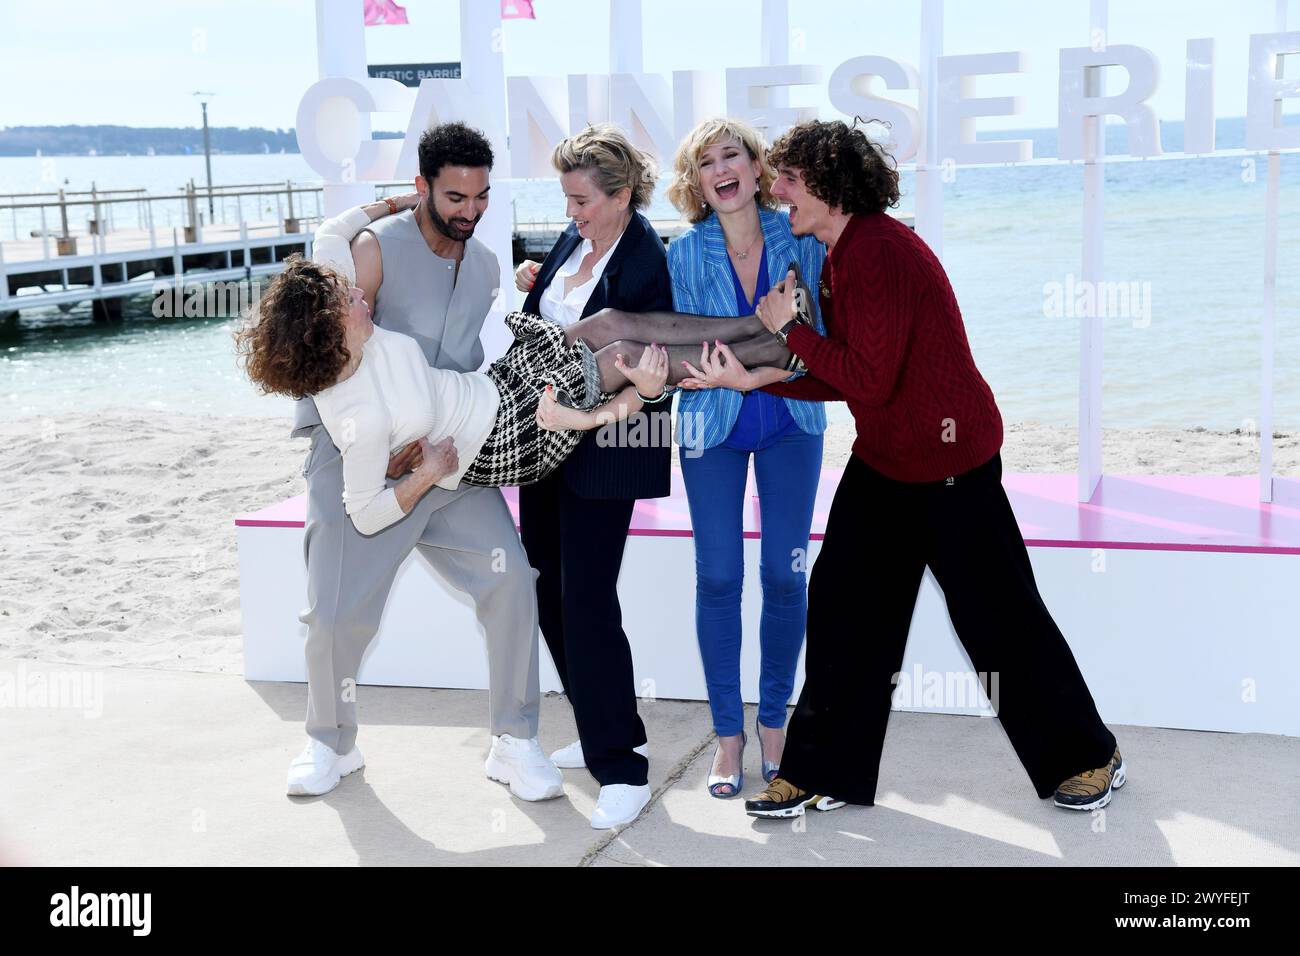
[[1147, 512]]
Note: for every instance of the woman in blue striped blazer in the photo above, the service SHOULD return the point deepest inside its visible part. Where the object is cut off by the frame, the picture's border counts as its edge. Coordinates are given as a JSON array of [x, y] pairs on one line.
[[738, 247]]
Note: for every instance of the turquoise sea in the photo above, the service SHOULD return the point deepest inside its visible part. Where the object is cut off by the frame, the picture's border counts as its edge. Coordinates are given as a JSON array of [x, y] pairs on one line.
[[1186, 234]]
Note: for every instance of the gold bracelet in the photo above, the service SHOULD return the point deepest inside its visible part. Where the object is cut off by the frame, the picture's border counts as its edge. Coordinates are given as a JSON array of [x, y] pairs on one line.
[[392, 205]]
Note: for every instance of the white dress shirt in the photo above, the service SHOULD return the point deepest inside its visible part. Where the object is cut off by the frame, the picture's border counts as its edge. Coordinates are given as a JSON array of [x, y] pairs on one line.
[[567, 309]]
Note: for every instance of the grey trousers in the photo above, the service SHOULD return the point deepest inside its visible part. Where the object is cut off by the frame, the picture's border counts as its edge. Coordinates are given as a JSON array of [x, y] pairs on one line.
[[468, 537]]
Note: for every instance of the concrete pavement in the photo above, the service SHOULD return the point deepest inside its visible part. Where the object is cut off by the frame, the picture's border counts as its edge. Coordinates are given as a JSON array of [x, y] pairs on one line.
[[137, 766]]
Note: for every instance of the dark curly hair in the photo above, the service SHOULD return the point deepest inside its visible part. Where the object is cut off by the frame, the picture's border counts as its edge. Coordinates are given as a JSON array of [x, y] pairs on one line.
[[452, 144], [840, 165], [293, 343]]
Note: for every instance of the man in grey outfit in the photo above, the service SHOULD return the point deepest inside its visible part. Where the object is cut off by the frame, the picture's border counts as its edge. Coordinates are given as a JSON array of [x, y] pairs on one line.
[[424, 274]]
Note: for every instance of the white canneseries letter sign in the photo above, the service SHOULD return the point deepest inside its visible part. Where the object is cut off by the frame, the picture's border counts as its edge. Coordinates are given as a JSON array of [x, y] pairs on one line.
[[749, 96], [850, 93], [330, 133], [536, 105], [696, 93], [642, 104], [445, 101], [959, 107], [1076, 104], [588, 101], [1264, 129], [1198, 109]]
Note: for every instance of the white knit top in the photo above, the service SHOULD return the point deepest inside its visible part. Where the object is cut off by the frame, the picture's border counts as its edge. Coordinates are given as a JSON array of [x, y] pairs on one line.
[[392, 399]]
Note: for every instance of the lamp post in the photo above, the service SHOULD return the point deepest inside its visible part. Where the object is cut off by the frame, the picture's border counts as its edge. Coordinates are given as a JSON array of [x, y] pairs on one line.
[[207, 149]]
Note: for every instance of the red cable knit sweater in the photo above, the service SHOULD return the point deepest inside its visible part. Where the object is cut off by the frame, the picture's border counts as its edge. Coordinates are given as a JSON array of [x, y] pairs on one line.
[[896, 352]]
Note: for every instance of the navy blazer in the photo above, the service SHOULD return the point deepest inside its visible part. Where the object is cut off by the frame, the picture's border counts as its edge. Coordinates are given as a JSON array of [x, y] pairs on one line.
[[635, 279]]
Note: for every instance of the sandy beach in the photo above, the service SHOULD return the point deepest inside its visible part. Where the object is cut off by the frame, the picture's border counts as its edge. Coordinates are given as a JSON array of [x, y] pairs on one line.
[[119, 539]]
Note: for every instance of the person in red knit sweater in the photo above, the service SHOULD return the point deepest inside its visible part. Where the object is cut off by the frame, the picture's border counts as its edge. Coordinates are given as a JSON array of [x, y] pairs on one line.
[[922, 489]]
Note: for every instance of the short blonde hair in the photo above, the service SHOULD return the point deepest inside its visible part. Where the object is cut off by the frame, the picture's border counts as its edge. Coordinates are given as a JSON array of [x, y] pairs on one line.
[[605, 153], [685, 192]]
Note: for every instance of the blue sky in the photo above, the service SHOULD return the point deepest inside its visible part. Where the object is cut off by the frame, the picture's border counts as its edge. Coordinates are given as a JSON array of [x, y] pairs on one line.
[[136, 63]]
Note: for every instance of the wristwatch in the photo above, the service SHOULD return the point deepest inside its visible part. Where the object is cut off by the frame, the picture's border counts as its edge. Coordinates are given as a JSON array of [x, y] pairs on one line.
[[784, 331], [392, 205]]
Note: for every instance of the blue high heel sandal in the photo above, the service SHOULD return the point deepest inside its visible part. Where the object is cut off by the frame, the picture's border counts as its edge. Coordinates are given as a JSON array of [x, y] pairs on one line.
[[736, 782], [770, 768]]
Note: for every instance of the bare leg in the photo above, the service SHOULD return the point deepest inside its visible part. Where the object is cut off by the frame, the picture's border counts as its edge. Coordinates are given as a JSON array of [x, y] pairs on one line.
[[753, 352], [663, 328]]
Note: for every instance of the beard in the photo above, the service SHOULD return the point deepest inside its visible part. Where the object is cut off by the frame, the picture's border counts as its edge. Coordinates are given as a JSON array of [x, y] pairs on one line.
[[458, 230]]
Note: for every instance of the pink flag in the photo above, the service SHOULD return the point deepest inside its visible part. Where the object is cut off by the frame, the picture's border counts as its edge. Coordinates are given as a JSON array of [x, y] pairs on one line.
[[384, 12], [517, 10]]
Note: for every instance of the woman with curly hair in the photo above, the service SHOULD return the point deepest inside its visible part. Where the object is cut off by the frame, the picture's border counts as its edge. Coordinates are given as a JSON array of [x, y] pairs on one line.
[[922, 489]]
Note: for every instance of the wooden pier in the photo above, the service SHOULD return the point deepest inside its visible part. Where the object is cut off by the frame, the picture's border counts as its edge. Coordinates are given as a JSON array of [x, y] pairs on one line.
[[131, 263], [103, 247]]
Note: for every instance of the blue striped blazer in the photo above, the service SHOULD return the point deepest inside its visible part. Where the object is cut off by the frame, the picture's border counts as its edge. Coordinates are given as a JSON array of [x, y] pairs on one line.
[[697, 262]]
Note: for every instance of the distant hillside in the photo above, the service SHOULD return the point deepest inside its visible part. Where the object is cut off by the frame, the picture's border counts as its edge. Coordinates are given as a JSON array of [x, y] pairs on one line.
[[137, 141]]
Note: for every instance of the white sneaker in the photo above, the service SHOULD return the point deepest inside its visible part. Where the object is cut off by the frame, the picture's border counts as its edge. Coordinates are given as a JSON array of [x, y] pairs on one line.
[[522, 765], [318, 769], [619, 803], [571, 758]]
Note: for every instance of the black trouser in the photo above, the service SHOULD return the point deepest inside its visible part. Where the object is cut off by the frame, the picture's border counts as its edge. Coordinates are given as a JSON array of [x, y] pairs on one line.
[[576, 545], [880, 536]]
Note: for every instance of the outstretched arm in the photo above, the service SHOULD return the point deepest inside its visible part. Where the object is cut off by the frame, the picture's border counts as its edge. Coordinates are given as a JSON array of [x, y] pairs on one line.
[[360, 432], [333, 239], [874, 309], [553, 416], [722, 369], [647, 378], [760, 351], [808, 388]]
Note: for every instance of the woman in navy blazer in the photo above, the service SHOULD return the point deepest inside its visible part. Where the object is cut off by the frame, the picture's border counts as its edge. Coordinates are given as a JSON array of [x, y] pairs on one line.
[[737, 248], [636, 280], [575, 522]]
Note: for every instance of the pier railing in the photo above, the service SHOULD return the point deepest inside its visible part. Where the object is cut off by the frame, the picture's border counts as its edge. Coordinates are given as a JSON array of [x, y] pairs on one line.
[[59, 218], [54, 224]]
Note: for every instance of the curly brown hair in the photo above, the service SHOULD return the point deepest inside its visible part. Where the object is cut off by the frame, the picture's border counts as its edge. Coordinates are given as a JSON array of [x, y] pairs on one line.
[[294, 342], [840, 165]]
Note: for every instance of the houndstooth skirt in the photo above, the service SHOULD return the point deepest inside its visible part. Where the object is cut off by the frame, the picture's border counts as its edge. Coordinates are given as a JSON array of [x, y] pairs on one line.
[[518, 452]]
